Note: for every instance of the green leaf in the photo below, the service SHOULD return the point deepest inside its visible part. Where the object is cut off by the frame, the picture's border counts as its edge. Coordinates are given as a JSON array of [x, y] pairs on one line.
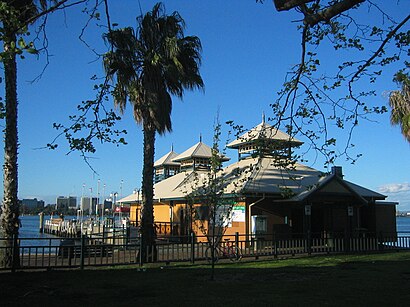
[[21, 43], [32, 50]]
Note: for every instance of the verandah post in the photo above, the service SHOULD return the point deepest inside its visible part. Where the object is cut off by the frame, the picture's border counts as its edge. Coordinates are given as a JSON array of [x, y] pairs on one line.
[[237, 244], [347, 241], [275, 245], [192, 248]]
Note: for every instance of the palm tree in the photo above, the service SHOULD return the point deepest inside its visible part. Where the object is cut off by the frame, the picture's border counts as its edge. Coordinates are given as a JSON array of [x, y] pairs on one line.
[[400, 104], [151, 64]]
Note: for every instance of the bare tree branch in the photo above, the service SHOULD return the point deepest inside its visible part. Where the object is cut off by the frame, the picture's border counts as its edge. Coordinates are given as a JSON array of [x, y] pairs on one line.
[[58, 5], [380, 49], [286, 5], [330, 12]]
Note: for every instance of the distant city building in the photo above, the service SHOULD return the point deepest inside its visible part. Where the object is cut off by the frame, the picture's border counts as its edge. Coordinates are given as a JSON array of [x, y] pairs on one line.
[[88, 204], [107, 204], [32, 203], [63, 202]]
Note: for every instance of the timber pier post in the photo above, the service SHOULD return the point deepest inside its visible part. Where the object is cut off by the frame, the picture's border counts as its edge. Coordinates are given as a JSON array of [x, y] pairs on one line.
[[41, 228]]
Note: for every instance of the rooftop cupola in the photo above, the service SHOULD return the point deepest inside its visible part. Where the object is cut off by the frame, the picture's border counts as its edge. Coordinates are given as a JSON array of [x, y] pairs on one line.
[[264, 140], [165, 167], [198, 157]]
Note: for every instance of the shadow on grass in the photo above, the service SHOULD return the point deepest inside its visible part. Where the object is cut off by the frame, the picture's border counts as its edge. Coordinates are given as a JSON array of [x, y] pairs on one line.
[[337, 281]]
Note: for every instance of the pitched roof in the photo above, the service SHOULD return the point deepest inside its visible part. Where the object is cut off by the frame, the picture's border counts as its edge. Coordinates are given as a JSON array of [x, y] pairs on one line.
[[199, 150], [259, 176], [167, 159], [333, 182], [262, 176], [263, 131], [132, 198], [247, 176]]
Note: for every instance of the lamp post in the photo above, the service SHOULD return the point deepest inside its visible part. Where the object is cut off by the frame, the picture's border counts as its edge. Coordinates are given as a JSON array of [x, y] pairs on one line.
[[103, 205], [115, 203], [122, 181], [98, 199], [82, 209], [112, 196], [90, 211]]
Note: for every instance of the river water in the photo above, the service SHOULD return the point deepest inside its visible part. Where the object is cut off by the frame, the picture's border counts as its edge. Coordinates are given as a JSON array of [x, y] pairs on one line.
[[30, 228], [31, 224], [403, 225]]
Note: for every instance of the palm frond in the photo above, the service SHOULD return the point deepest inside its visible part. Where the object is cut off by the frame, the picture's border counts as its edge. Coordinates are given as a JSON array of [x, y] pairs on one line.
[[400, 107], [153, 63]]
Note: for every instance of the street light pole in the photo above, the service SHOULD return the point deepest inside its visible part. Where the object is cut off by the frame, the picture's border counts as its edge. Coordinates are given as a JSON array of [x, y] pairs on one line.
[[98, 199], [82, 208], [103, 204], [90, 211], [122, 181]]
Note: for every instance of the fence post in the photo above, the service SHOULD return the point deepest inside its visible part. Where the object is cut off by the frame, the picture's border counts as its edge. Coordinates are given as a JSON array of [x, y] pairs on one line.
[[123, 234], [113, 236], [140, 250], [82, 252], [70, 254], [13, 247], [192, 248], [41, 228]]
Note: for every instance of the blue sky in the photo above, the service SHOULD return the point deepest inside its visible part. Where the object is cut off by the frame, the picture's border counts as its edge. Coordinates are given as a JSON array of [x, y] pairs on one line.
[[247, 50]]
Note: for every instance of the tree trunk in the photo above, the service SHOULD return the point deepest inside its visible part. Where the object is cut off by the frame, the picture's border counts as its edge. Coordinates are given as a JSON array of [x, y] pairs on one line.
[[149, 251], [9, 220]]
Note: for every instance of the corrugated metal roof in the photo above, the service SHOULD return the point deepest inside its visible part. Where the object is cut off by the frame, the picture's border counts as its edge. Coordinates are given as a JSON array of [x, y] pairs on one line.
[[199, 150], [263, 131], [256, 176], [364, 192], [167, 159], [262, 176]]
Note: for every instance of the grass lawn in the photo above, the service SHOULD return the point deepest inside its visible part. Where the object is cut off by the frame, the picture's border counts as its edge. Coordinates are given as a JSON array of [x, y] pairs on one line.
[[347, 280]]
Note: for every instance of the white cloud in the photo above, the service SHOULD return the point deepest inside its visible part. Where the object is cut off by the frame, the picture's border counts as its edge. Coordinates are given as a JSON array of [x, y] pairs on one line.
[[397, 192], [394, 187]]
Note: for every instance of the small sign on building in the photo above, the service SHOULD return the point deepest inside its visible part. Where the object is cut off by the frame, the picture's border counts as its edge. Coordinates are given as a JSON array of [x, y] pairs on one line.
[[238, 214], [308, 210]]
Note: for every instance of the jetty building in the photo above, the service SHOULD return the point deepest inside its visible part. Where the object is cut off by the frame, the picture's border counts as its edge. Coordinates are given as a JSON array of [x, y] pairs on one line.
[[265, 193]]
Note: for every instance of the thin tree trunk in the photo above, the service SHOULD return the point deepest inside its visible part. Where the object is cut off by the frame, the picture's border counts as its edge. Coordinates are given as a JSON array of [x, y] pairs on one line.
[[9, 220], [147, 211]]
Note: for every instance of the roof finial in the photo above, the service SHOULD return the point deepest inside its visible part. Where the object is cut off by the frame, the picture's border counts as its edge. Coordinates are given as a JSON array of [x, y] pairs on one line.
[[172, 147], [200, 137], [263, 117]]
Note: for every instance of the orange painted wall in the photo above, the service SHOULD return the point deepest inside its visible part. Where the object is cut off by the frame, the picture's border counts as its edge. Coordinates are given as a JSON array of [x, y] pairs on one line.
[[161, 212], [135, 213]]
